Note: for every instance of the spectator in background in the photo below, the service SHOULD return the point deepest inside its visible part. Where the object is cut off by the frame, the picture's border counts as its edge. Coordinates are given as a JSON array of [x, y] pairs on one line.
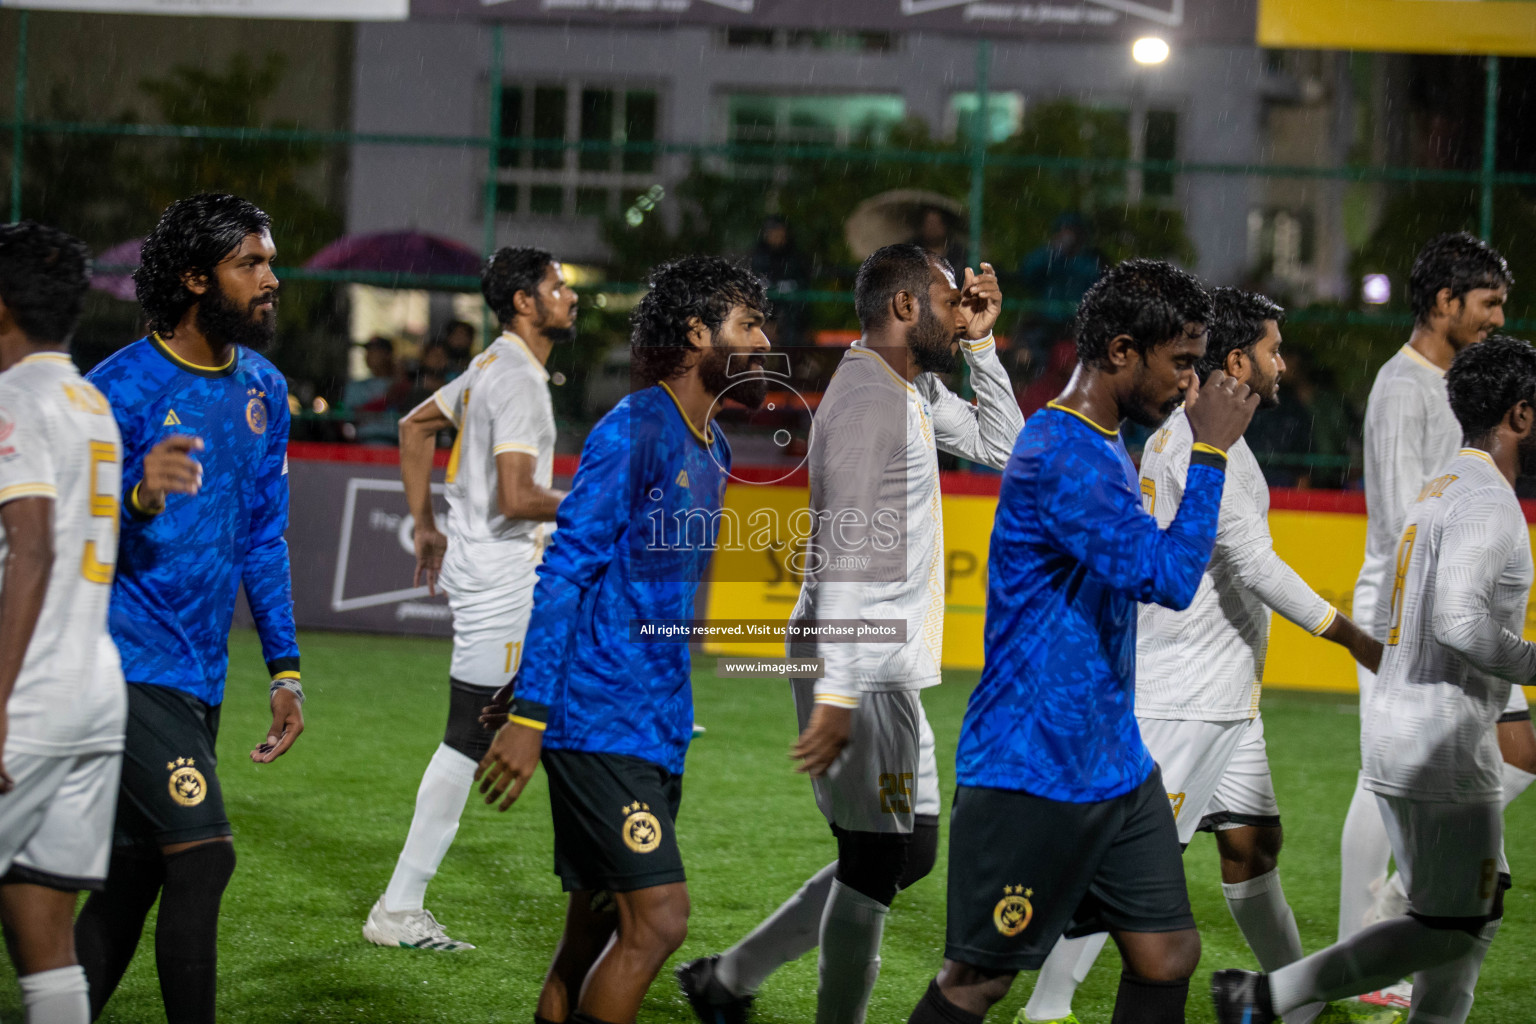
[[781, 267], [377, 400], [937, 232], [1058, 272], [459, 342]]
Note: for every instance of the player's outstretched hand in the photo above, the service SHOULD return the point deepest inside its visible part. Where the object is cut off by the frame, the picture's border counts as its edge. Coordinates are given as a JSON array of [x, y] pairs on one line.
[[825, 736], [169, 468], [1219, 410], [494, 714], [509, 764], [287, 723], [1363, 647], [431, 545], [981, 300]]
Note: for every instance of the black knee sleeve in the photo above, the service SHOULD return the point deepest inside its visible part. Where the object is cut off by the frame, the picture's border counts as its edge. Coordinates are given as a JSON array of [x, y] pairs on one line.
[[108, 928], [1142, 1001], [872, 863], [922, 853], [464, 732], [187, 930], [934, 1008]]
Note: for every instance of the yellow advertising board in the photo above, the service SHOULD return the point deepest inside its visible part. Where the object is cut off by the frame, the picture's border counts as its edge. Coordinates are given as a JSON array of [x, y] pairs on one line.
[[1505, 27], [1324, 547]]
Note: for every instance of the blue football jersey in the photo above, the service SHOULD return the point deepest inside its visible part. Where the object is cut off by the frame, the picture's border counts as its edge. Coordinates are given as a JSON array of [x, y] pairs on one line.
[[1072, 553], [634, 541], [178, 572]]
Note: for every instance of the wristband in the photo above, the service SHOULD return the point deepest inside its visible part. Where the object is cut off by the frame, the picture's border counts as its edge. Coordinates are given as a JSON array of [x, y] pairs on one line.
[[137, 506], [1209, 449], [290, 682]]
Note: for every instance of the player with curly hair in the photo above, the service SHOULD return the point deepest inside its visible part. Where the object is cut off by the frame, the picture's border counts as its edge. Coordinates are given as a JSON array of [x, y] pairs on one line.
[[501, 496], [609, 717], [204, 422]]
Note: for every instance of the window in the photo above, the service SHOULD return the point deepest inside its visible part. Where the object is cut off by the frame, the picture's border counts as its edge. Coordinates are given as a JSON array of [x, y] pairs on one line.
[[1005, 113], [1160, 141], [813, 120], [575, 164], [808, 39]]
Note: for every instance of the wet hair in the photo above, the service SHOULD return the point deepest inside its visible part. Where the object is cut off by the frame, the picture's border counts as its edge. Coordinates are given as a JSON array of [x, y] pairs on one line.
[[44, 274], [1488, 379], [1236, 324], [1148, 300], [507, 271], [193, 234], [702, 287], [903, 267], [1459, 262]]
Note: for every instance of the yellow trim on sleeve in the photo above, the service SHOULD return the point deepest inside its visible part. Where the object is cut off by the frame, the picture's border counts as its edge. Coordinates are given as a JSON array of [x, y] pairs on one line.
[[437, 399], [703, 439], [528, 722], [165, 348], [513, 446], [286, 674], [1322, 627], [1209, 449], [1073, 412], [979, 344], [837, 700], [133, 499], [36, 490]]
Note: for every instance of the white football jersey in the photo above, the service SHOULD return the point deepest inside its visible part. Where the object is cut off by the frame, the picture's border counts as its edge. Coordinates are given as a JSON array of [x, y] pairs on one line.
[[1206, 663], [1410, 432], [874, 476], [1454, 611], [500, 404], [58, 440]]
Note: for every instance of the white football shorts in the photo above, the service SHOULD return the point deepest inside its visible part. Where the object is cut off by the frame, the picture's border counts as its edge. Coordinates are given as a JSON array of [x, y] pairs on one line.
[[56, 824], [1216, 773]]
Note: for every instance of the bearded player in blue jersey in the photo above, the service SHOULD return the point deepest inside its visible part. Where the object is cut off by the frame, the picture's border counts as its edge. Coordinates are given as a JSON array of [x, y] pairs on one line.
[[611, 718], [1060, 821], [204, 422]]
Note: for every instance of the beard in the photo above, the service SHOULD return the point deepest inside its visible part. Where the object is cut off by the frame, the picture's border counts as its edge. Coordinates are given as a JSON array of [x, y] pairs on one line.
[[1267, 390], [556, 335], [749, 390], [222, 320], [932, 347]]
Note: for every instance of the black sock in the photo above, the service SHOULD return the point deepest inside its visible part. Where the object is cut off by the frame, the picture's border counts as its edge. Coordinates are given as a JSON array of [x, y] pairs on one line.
[[583, 1018], [936, 1009], [1143, 1001], [187, 930], [543, 1020], [108, 928]]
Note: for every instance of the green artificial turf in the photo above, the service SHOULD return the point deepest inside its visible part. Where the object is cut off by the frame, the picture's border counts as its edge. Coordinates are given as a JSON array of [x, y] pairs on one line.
[[317, 834]]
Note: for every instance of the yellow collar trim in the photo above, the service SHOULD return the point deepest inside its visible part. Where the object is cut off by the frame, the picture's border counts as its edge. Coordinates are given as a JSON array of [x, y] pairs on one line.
[[233, 355], [1073, 412], [46, 357], [1488, 459], [1418, 357], [520, 343], [706, 441], [856, 350]]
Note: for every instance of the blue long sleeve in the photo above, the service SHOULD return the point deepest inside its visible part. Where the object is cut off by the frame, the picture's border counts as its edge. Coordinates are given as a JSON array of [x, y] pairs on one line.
[[266, 573]]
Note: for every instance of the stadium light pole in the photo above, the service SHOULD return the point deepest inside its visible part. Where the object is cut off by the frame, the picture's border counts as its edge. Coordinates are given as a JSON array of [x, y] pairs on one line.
[[1490, 144], [18, 114]]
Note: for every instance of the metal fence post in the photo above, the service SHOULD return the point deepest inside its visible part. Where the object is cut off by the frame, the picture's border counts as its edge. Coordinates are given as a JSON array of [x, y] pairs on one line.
[[980, 136], [19, 114], [1490, 143], [493, 153]]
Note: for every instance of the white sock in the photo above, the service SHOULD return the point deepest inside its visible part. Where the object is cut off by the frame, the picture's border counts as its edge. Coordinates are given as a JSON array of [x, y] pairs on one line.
[[439, 802], [58, 996], [1364, 852], [1375, 958], [788, 934], [1516, 781], [1444, 994], [1267, 922], [1064, 969], [850, 955]]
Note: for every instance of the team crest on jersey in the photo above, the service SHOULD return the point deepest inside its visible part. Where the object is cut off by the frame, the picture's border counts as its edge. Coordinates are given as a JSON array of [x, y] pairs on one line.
[[171, 419], [642, 832], [1013, 912], [7, 425], [256, 415], [187, 785]]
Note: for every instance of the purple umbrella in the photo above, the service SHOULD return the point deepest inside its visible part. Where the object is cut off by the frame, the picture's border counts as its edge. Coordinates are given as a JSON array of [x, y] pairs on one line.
[[123, 254], [397, 252]]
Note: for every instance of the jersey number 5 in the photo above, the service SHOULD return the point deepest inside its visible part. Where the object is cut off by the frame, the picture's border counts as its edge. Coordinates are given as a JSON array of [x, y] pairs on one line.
[[103, 506], [1395, 610]]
